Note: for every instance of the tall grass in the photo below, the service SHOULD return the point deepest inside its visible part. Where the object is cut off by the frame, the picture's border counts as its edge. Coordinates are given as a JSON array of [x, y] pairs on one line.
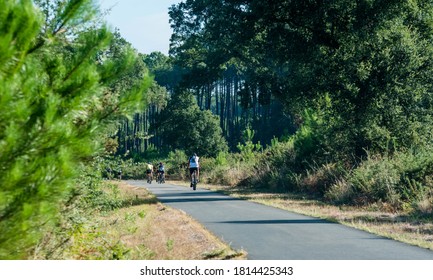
[[403, 180]]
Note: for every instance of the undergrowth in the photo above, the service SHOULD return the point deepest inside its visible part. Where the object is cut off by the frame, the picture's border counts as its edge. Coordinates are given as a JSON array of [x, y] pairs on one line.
[[78, 235]]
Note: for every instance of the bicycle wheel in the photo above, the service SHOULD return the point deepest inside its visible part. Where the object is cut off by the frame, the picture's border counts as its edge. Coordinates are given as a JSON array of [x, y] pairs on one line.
[[194, 180]]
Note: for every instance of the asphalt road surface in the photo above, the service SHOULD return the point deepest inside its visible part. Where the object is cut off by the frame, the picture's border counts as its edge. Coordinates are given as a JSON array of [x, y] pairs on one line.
[[267, 233]]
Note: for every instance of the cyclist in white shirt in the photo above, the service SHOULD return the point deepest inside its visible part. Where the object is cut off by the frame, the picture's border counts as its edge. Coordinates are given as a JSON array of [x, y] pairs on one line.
[[160, 171], [193, 165]]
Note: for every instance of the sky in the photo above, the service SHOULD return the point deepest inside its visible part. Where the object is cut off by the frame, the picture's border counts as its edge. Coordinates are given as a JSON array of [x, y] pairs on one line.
[[143, 23]]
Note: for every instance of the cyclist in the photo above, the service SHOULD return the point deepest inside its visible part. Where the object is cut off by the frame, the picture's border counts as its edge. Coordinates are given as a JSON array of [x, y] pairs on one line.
[[194, 165], [149, 172], [161, 171]]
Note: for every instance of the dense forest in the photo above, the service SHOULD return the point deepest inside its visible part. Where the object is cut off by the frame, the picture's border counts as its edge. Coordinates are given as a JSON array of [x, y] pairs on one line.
[[238, 106], [329, 98]]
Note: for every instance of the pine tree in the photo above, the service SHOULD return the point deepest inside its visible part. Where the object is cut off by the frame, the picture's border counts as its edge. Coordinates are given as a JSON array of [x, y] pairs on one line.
[[54, 101]]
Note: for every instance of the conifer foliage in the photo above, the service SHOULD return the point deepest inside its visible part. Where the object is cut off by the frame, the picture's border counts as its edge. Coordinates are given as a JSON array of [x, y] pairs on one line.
[[56, 95]]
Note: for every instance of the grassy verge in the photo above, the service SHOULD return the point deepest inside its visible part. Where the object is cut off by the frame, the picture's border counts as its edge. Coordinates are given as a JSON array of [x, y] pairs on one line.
[[415, 230], [147, 230]]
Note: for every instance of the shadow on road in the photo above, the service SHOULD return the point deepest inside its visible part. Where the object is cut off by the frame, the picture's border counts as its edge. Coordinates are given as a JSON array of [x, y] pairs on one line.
[[297, 221], [192, 196], [177, 199]]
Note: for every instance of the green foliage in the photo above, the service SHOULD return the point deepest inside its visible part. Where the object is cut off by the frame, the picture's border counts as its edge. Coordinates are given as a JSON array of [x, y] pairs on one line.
[[54, 102], [133, 133], [103, 199], [177, 164], [275, 168], [93, 195], [369, 59], [125, 77], [169, 244], [401, 179], [88, 197], [115, 168], [166, 74], [248, 148], [408, 174], [221, 158], [308, 139], [182, 125], [81, 234]]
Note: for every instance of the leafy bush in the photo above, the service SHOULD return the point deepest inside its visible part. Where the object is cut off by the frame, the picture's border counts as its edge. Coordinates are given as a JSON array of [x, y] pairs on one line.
[[183, 125], [177, 164], [318, 179], [221, 159], [400, 180], [125, 169], [226, 169], [275, 168], [308, 138]]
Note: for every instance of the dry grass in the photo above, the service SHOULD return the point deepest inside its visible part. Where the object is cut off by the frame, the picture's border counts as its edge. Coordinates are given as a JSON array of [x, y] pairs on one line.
[[150, 230], [399, 226]]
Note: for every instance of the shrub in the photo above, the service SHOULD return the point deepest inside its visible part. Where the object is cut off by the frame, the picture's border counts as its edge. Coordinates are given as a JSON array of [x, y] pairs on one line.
[[341, 192], [274, 168], [401, 179], [308, 140], [117, 168], [248, 149], [424, 205], [177, 164], [87, 197], [319, 178]]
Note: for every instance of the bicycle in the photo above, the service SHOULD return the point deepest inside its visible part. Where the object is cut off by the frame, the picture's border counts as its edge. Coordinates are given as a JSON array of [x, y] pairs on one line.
[[160, 178], [194, 180], [149, 178]]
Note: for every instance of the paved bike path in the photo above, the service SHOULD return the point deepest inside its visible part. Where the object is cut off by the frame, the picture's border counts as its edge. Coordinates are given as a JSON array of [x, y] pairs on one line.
[[267, 233]]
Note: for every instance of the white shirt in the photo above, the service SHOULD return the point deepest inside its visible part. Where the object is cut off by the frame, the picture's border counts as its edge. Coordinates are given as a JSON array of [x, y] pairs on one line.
[[193, 162]]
